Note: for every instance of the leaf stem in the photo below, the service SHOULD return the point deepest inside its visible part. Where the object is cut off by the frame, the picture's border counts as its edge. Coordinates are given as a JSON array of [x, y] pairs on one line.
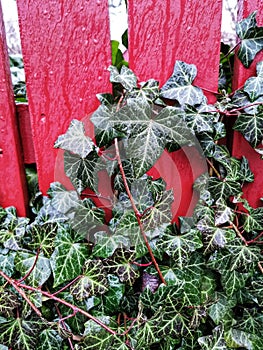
[[32, 267], [213, 168], [238, 233], [254, 240], [16, 285], [68, 285], [136, 211]]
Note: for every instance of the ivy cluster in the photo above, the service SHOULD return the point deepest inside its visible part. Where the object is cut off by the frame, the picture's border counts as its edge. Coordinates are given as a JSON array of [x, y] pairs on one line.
[[82, 275]]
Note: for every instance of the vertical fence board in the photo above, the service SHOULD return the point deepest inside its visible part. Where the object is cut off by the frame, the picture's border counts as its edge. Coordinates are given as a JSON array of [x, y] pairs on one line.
[[161, 32], [66, 49], [12, 175], [254, 191]]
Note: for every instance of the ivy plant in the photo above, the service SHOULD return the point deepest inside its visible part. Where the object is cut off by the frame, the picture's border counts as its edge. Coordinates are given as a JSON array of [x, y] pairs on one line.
[[95, 271]]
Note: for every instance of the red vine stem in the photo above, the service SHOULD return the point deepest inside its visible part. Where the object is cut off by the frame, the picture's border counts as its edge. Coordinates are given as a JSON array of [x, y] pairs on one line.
[[32, 267], [68, 285], [254, 240], [136, 211], [17, 285]]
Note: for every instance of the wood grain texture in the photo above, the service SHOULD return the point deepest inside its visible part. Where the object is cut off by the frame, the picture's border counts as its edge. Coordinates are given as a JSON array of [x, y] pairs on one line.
[[12, 177], [161, 33], [23, 118], [254, 191], [66, 49]]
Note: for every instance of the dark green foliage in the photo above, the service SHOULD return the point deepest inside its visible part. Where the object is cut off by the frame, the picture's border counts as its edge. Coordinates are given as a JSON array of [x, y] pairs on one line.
[[73, 277]]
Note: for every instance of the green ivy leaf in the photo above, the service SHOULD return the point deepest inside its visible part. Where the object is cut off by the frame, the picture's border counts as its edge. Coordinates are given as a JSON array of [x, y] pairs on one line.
[[251, 126], [18, 334], [245, 173], [92, 282], [7, 262], [68, 257], [49, 339], [75, 140], [179, 86], [107, 243], [41, 272], [8, 303], [61, 199], [149, 91], [253, 86], [232, 281], [251, 39], [126, 77], [215, 341], [121, 265], [240, 339], [112, 298], [86, 217], [198, 120], [222, 189], [254, 220], [223, 213], [43, 237], [222, 307]]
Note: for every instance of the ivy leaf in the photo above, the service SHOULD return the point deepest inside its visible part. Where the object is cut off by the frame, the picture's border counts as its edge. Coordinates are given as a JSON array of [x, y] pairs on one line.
[[179, 247], [245, 172], [252, 322], [81, 171], [8, 302], [106, 244], [232, 281], [148, 91], [236, 338], [179, 86], [254, 220], [61, 199], [253, 86], [251, 126], [222, 189], [215, 341], [75, 140], [43, 237], [223, 305], [198, 120], [160, 213], [126, 77], [251, 39], [7, 262], [68, 257], [87, 216], [121, 265], [146, 335], [18, 334], [92, 282], [223, 213], [114, 295], [12, 229], [49, 339], [40, 274]]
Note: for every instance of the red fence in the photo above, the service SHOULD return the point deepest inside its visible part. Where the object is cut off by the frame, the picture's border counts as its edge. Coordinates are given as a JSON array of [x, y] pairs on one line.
[[66, 50]]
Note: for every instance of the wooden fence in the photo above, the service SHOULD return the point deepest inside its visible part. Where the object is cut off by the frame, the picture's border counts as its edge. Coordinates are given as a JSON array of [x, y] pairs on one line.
[[66, 50]]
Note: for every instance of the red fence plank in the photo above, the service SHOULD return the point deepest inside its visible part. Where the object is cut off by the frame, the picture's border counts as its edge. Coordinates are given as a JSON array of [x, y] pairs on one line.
[[254, 191], [161, 32], [66, 49], [26, 133], [12, 176]]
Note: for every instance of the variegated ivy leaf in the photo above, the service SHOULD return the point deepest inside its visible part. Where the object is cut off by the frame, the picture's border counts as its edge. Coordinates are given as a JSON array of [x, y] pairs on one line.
[[252, 322], [62, 199], [126, 77], [121, 265], [251, 39], [12, 229], [236, 338], [160, 213], [179, 247], [68, 257], [235, 256], [82, 172], [107, 243], [254, 220], [49, 339], [198, 120], [222, 189], [179, 86], [223, 213], [87, 216], [148, 91], [246, 174], [25, 261], [92, 282], [128, 227], [75, 140], [232, 281], [215, 341], [43, 237], [251, 126], [223, 306], [8, 303], [7, 262], [19, 334], [254, 85], [148, 133]]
